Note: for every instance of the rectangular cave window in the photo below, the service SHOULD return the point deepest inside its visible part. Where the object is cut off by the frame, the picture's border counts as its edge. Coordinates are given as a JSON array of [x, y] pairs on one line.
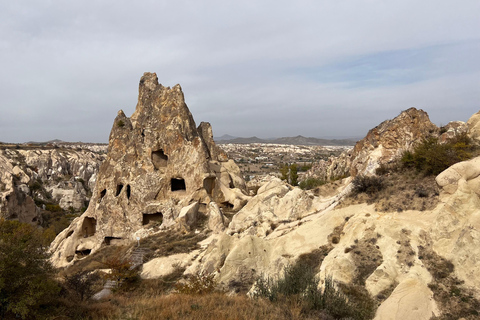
[[177, 184], [159, 159], [119, 189], [111, 240], [152, 217], [209, 184], [89, 226]]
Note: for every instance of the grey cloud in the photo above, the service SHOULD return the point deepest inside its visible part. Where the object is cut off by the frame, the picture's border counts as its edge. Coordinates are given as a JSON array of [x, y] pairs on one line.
[[68, 67]]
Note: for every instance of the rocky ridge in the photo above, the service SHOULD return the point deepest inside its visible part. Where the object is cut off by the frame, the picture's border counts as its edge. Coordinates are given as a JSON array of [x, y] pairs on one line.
[[31, 176], [384, 144]]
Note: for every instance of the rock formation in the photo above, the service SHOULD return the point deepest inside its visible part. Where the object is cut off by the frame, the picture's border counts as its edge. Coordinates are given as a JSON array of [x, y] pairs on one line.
[[386, 143], [63, 176], [159, 168]]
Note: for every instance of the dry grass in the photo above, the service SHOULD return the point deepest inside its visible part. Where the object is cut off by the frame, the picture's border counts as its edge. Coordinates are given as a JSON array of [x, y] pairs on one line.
[[404, 190], [176, 306], [171, 242]]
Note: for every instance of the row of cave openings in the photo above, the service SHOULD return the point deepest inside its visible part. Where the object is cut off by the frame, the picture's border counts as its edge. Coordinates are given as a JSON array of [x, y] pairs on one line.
[[89, 227]]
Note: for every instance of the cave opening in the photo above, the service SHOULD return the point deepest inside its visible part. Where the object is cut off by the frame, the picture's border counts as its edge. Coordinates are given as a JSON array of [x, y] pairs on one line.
[[89, 226], [128, 190], [177, 184], [83, 253], [119, 189], [159, 159], [112, 240], [152, 217]]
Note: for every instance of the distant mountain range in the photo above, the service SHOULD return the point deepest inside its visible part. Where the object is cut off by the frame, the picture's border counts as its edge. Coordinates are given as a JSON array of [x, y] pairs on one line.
[[298, 140]]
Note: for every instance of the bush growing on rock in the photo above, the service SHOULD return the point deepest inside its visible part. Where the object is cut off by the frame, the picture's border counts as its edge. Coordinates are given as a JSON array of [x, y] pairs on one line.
[[367, 184]]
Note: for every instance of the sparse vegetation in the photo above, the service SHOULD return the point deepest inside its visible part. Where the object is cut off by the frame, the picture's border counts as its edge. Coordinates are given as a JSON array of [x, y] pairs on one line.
[[299, 284], [455, 300], [403, 189]]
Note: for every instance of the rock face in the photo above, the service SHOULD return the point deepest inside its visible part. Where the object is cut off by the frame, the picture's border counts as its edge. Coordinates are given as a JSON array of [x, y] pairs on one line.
[[159, 168], [384, 143], [64, 176]]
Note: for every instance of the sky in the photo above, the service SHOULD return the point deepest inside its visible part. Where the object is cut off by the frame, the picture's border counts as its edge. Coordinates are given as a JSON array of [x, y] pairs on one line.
[[262, 68]]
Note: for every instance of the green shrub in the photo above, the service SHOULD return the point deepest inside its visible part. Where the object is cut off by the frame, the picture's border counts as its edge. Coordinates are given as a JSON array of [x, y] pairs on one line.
[[121, 123], [311, 183], [26, 275], [432, 157], [368, 184]]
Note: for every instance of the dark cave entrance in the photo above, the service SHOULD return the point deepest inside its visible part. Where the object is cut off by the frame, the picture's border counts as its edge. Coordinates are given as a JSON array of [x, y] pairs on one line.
[[178, 184]]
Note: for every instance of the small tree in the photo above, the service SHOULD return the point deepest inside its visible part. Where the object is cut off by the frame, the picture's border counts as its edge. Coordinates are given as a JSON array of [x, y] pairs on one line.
[[284, 172], [122, 271], [293, 175], [82, 283], [26, 275]]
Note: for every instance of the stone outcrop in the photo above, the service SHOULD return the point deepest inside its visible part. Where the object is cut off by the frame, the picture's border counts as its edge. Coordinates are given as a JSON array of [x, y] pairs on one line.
[[159, 168], [382, 144], [59, 175], [390, 139], [473, 126]]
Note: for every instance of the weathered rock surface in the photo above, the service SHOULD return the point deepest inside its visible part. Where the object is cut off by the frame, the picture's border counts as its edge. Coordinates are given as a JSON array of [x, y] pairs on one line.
[[473, 126], [65, 176], [403, 246], [382, 144], [159, 168]]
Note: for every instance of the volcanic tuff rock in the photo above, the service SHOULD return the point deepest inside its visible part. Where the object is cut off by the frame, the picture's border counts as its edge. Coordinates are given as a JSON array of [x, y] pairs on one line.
[[159, 168], [383, 144], [66, 175]]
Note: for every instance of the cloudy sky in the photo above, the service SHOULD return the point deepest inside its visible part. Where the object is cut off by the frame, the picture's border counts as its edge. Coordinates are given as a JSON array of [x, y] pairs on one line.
[[316, 68]]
